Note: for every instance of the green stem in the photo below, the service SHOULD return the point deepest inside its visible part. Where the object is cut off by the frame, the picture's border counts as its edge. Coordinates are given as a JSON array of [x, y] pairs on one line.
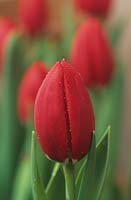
[[69, 172]]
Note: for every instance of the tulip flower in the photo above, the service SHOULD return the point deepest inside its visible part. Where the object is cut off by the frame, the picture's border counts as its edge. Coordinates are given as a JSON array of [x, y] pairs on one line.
[[6, 27], [95, 7], [33, 15], [92, 55], [63, 116], [28, 89]]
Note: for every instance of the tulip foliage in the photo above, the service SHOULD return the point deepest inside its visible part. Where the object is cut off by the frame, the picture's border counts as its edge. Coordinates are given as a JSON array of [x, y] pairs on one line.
[[61, 105]]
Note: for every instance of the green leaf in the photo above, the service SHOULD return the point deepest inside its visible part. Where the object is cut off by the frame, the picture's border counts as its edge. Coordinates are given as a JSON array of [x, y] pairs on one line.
[[45, 165], [22, 184], [79, 175], [101, 140], [102, 164], [110, 112], [11, 129], [37, 185], [22, 180], [56, 182], [116, 117], [103, 116], [87, 182], [53, 177]]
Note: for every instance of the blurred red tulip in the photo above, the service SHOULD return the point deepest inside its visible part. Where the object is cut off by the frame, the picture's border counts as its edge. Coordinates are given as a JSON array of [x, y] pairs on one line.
[[33, 15], [29, 88], [64, 117], [6, 27], [92, 55], [95, 7]]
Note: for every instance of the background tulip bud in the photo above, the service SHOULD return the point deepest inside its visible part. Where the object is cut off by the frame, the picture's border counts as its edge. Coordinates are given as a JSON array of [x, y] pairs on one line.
[[29, 88], [64, 117], [6, 26], [92, 55], [33, 15], [94, 7]]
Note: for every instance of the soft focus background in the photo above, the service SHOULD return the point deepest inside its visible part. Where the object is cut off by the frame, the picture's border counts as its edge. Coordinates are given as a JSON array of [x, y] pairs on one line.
[[121, 10]]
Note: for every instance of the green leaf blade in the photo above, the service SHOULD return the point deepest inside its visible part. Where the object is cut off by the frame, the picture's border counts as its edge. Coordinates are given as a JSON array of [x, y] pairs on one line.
[[37, 185], [105, 145], [10, 149], [79, 175], [53, 177], [87, 182]]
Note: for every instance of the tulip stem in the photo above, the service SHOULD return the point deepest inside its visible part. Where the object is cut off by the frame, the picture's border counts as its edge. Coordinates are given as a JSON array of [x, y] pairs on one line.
[[69, 172]]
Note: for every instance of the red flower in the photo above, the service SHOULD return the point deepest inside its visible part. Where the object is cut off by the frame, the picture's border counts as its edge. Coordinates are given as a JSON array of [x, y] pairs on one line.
[[64, 117], [33, 15], [94, 7], [91, 54], [29, 88], [6, 26]]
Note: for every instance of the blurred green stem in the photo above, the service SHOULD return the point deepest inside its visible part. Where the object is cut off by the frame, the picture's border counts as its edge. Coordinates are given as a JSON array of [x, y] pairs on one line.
[[69, 172]]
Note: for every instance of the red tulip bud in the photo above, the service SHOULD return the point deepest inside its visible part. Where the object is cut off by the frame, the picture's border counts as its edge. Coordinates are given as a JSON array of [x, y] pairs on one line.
[[29, 88], [6, 26], [91, 54], [94, 7], [64, 117], [33, 15]]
